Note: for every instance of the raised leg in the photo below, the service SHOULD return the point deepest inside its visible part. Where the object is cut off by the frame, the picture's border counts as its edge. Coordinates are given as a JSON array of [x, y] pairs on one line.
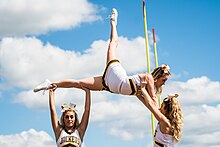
[[113, 37], [93, 83]]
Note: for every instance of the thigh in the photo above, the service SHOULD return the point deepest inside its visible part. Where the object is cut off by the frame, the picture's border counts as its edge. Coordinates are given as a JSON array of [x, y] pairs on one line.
[[92, 83]]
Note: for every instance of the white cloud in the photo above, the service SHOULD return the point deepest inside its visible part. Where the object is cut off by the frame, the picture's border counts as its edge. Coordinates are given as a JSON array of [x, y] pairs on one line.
[[196, 115], [35, 62], [41, 16], [202, 140], [121, 116], [30, 138], [200, 90], [201, 126], [26, 61]]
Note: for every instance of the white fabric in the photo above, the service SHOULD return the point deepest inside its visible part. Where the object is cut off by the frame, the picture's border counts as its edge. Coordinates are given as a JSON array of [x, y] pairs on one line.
[[165, 139], [66, 139], [117, 80], [136, 80]]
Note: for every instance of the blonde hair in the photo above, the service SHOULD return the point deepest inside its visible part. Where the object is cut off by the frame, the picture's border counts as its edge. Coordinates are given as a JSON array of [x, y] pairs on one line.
[[175, 115], [66, 108]]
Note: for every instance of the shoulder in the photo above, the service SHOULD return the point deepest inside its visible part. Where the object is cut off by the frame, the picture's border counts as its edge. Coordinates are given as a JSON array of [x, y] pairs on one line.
[[145, 75]]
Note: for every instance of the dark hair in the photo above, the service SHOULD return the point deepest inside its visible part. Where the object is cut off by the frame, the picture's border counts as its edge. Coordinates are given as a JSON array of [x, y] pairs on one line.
[[159, 72]]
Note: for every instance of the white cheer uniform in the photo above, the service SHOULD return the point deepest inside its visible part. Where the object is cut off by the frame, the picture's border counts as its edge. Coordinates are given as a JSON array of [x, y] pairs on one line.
[[69, 140], [162, 140]]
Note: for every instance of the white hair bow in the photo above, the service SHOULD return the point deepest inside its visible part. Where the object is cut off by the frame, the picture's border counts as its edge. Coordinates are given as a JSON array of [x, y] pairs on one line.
[[172, 95], [166, 68], [66, 107]]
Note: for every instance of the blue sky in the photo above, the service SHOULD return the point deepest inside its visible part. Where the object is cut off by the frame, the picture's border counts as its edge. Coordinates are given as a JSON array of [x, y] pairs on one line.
[[68, 39]]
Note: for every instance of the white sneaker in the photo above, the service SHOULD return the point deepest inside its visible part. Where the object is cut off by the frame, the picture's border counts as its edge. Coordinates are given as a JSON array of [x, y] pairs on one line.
[[43, 86], [114, 16]]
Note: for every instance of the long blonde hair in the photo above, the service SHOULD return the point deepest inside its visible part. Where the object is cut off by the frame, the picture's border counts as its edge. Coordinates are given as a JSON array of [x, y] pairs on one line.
[[175, 115]]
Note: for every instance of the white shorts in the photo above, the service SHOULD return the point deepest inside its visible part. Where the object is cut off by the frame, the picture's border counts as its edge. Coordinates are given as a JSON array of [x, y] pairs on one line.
[[115, 79]]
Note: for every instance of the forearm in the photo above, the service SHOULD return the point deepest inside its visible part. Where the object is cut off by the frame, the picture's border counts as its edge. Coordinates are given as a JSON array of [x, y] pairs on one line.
[[88, 100], [86, 114], [146, 98], [150, 105], [52, 102], [53, 114], [145, 95]]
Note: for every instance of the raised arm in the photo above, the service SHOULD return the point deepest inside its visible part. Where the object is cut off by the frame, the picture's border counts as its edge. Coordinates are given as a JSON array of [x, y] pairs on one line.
[[148, 102], [85, 118], [149, 85], [53, 114]]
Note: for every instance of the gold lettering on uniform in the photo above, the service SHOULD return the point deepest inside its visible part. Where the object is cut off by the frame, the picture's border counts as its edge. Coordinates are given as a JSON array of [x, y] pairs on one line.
[[72, 139], [69, 139], [63, 139]]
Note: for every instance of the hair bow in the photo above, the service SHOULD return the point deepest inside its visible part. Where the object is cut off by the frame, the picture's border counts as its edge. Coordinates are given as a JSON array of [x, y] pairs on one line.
[[166, 68], [172, 95], [66, 107]]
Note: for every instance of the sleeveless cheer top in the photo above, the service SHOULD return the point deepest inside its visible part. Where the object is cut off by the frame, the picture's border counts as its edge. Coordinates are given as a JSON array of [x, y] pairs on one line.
[[69, 139], [161, 139]]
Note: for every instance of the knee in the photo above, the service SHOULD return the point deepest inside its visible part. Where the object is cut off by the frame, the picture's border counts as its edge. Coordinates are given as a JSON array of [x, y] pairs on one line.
[[113, 44]]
